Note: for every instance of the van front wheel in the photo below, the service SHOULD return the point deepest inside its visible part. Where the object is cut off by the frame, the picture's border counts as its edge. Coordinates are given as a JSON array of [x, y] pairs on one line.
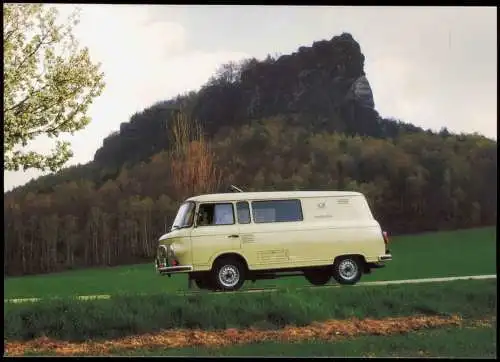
[[228, 274], [203, 283], [347, 270], [318, 277]]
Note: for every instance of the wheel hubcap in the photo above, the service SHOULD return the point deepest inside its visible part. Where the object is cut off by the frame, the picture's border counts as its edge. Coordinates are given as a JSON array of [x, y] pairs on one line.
[[229, 276], [348, 269]]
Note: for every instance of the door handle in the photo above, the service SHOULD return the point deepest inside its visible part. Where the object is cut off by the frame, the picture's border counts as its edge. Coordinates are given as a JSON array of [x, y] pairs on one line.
[[233, 236]]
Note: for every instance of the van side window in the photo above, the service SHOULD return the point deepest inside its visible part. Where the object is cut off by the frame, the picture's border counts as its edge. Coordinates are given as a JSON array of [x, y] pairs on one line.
[[243, 212], [277, 211], [215, 214]]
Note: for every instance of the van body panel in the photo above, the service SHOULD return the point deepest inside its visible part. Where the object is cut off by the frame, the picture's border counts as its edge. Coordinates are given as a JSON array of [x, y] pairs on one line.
[[276, 195], [208, 241], [180, 245], [270, 245]]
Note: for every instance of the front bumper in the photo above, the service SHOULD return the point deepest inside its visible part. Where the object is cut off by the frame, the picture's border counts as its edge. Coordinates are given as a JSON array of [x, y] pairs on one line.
[[174, 269], [166, 263]]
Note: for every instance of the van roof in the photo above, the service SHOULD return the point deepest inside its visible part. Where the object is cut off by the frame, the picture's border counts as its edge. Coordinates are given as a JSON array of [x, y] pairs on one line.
[[236, 196]]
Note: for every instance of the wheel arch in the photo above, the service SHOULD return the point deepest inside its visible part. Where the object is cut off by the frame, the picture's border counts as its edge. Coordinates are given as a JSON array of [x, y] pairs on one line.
[[361, 257], [231, 254]]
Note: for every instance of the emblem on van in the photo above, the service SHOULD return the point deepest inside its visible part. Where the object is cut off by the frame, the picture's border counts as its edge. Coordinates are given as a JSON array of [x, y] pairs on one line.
[[321, 205]]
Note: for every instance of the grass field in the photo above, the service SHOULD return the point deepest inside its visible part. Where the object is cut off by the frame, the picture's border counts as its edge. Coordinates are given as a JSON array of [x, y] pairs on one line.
[[120, 316], [443, 342], [456, 253]]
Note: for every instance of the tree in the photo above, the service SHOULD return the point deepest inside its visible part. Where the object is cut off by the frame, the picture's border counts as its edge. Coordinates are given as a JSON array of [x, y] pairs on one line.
[[192, 165], [49, 83], [227, 73]]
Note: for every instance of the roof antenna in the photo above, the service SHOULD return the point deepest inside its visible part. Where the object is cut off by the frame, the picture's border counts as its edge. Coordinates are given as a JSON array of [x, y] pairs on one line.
[[235, 188]]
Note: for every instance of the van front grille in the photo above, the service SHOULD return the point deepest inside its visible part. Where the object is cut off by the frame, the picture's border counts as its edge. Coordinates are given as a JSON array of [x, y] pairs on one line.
[[162, 252]]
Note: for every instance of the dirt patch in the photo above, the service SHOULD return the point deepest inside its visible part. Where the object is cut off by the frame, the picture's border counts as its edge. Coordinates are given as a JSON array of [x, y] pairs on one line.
[[329, 330]]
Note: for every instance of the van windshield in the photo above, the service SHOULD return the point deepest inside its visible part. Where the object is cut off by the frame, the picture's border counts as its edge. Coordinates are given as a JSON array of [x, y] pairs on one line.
[[184, 217]]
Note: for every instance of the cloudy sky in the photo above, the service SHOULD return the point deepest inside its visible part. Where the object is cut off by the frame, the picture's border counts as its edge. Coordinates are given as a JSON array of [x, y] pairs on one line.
[[431, 66]]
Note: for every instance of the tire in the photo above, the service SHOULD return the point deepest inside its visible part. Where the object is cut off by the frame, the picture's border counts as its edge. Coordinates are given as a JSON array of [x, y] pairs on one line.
[[318, 277], [203, 283], [347, 270], [228, 274]]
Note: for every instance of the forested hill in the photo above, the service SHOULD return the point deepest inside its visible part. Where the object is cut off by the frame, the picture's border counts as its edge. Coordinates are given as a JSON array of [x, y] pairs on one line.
[[321, 88], [301, 121]]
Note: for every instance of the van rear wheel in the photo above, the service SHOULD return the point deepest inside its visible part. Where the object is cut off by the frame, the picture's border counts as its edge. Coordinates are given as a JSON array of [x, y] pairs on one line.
[[228, 274], [318, 277], [347, 270]]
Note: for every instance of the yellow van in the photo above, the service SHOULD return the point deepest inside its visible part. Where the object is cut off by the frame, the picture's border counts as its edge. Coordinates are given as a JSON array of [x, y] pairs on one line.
[[221, 240]]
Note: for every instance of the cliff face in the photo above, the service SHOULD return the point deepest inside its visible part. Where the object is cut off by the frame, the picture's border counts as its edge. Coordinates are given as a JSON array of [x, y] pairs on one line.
[[361, 93], [306, 80]]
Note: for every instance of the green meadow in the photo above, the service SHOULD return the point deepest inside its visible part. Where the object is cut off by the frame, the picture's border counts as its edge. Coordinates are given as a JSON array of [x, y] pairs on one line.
[[441, 254], [120, 316]]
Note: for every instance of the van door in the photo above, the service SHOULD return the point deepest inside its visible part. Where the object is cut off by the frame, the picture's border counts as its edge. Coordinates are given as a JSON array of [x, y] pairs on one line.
[[215, 232], [268, 241], [249, 247]]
